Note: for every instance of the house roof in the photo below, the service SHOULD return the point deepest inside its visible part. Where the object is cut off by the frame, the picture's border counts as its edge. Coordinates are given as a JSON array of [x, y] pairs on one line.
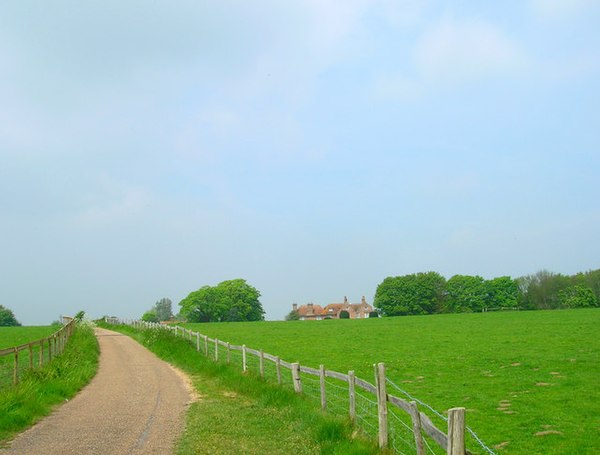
[[310, 310]]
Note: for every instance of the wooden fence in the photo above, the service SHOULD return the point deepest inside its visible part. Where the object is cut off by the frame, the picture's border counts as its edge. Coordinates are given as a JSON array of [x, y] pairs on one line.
[[47, 348], [451, 441]]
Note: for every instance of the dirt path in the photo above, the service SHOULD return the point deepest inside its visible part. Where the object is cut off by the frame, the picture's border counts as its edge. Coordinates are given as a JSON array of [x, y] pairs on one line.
[[134, 405]]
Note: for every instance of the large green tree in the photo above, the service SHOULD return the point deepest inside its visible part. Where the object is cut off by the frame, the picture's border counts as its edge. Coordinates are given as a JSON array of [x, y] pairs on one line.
[[7, 318], [420, 293], [577, 296], [503, 292], [466, 293], [232, 300]]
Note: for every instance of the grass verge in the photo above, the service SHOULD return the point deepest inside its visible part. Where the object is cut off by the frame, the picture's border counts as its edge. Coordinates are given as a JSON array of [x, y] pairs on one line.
[[40, 390], [242, 414]]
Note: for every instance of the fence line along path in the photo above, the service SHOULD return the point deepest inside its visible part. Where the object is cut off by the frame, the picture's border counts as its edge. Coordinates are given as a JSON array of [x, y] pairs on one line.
[[135, 404], [395, 422], [37, 353]]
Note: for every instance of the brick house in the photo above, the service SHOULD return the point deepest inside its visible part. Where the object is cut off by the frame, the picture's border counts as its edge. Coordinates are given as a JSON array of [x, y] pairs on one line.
[[312, 312]]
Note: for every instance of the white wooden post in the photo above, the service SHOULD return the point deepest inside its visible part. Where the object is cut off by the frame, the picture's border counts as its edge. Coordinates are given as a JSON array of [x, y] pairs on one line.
[[382, 405], [228, 353], [416, 424], [197, 341], [216, 350], [352, 395], [206, 345], [296, 377], [278, 368], [456, 431], [244, 364], [261, 358], [323, 390]]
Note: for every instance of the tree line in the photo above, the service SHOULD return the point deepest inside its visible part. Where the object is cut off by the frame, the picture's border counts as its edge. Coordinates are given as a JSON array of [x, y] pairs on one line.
[[228, 301], [430, 292]]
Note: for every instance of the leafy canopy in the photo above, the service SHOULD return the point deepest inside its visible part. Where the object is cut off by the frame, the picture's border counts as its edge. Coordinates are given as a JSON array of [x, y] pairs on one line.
[[228, 301], [7, 318]]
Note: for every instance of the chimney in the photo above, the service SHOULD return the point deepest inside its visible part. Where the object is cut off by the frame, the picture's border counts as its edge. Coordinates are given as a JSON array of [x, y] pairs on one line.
[[310, 308], [345, 300], [294, 307], [363, 300]]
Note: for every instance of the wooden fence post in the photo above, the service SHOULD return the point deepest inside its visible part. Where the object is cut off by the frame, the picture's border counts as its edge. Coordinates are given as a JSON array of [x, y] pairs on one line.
[[352, 396], [456, 431], [216, 350], [416, 424], [262, 363], [296, 377], [244, 364], [16, 372], [206, 345], [382, 404], [30, 356], [228, 353], [278, 369], [323, 390], [41, 352], [197, 341]]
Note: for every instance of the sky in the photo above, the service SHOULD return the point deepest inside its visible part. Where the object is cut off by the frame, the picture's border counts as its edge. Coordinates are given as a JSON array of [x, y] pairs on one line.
[[310, 147]]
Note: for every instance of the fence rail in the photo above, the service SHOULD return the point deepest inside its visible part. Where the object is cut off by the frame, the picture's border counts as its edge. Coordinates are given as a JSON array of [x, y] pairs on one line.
[[37, 352], [398, 424]]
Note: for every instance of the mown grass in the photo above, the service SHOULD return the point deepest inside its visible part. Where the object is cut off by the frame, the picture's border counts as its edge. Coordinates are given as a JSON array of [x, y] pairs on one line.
[[40, 390], [241, 414], [529, 380], [15, 336]]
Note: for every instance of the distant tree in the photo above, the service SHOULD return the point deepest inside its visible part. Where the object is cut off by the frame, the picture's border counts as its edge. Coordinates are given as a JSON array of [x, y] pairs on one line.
[[150, 316], [421, 293], [344, 314], [503, 292], [540, 291], [233, 300], [293, 316], [577, 296], [592, 281], [466, 293], [163, 309], [7, 318]]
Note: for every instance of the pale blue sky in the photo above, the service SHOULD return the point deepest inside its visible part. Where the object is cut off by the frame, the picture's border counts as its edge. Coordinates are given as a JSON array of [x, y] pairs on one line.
[[311, 147]]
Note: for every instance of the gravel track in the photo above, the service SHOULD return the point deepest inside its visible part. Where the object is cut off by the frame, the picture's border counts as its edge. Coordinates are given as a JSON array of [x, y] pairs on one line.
[[134, 405]]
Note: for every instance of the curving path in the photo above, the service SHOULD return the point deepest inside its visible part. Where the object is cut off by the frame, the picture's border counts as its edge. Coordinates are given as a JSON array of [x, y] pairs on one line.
[[134, 405]]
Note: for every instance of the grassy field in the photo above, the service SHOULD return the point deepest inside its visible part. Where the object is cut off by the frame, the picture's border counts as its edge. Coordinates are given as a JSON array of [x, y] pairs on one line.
[[529, 380], [15, 336]]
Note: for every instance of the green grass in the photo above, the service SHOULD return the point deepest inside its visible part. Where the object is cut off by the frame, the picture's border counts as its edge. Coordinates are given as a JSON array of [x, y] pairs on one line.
[[40, 390], [241, 414], [16, 336], [517, 373]]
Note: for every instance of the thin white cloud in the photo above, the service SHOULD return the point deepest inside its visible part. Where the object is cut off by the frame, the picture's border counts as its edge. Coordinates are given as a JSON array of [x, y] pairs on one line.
[[113, 203], [452, 53], [560, 9], [465, 50]]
